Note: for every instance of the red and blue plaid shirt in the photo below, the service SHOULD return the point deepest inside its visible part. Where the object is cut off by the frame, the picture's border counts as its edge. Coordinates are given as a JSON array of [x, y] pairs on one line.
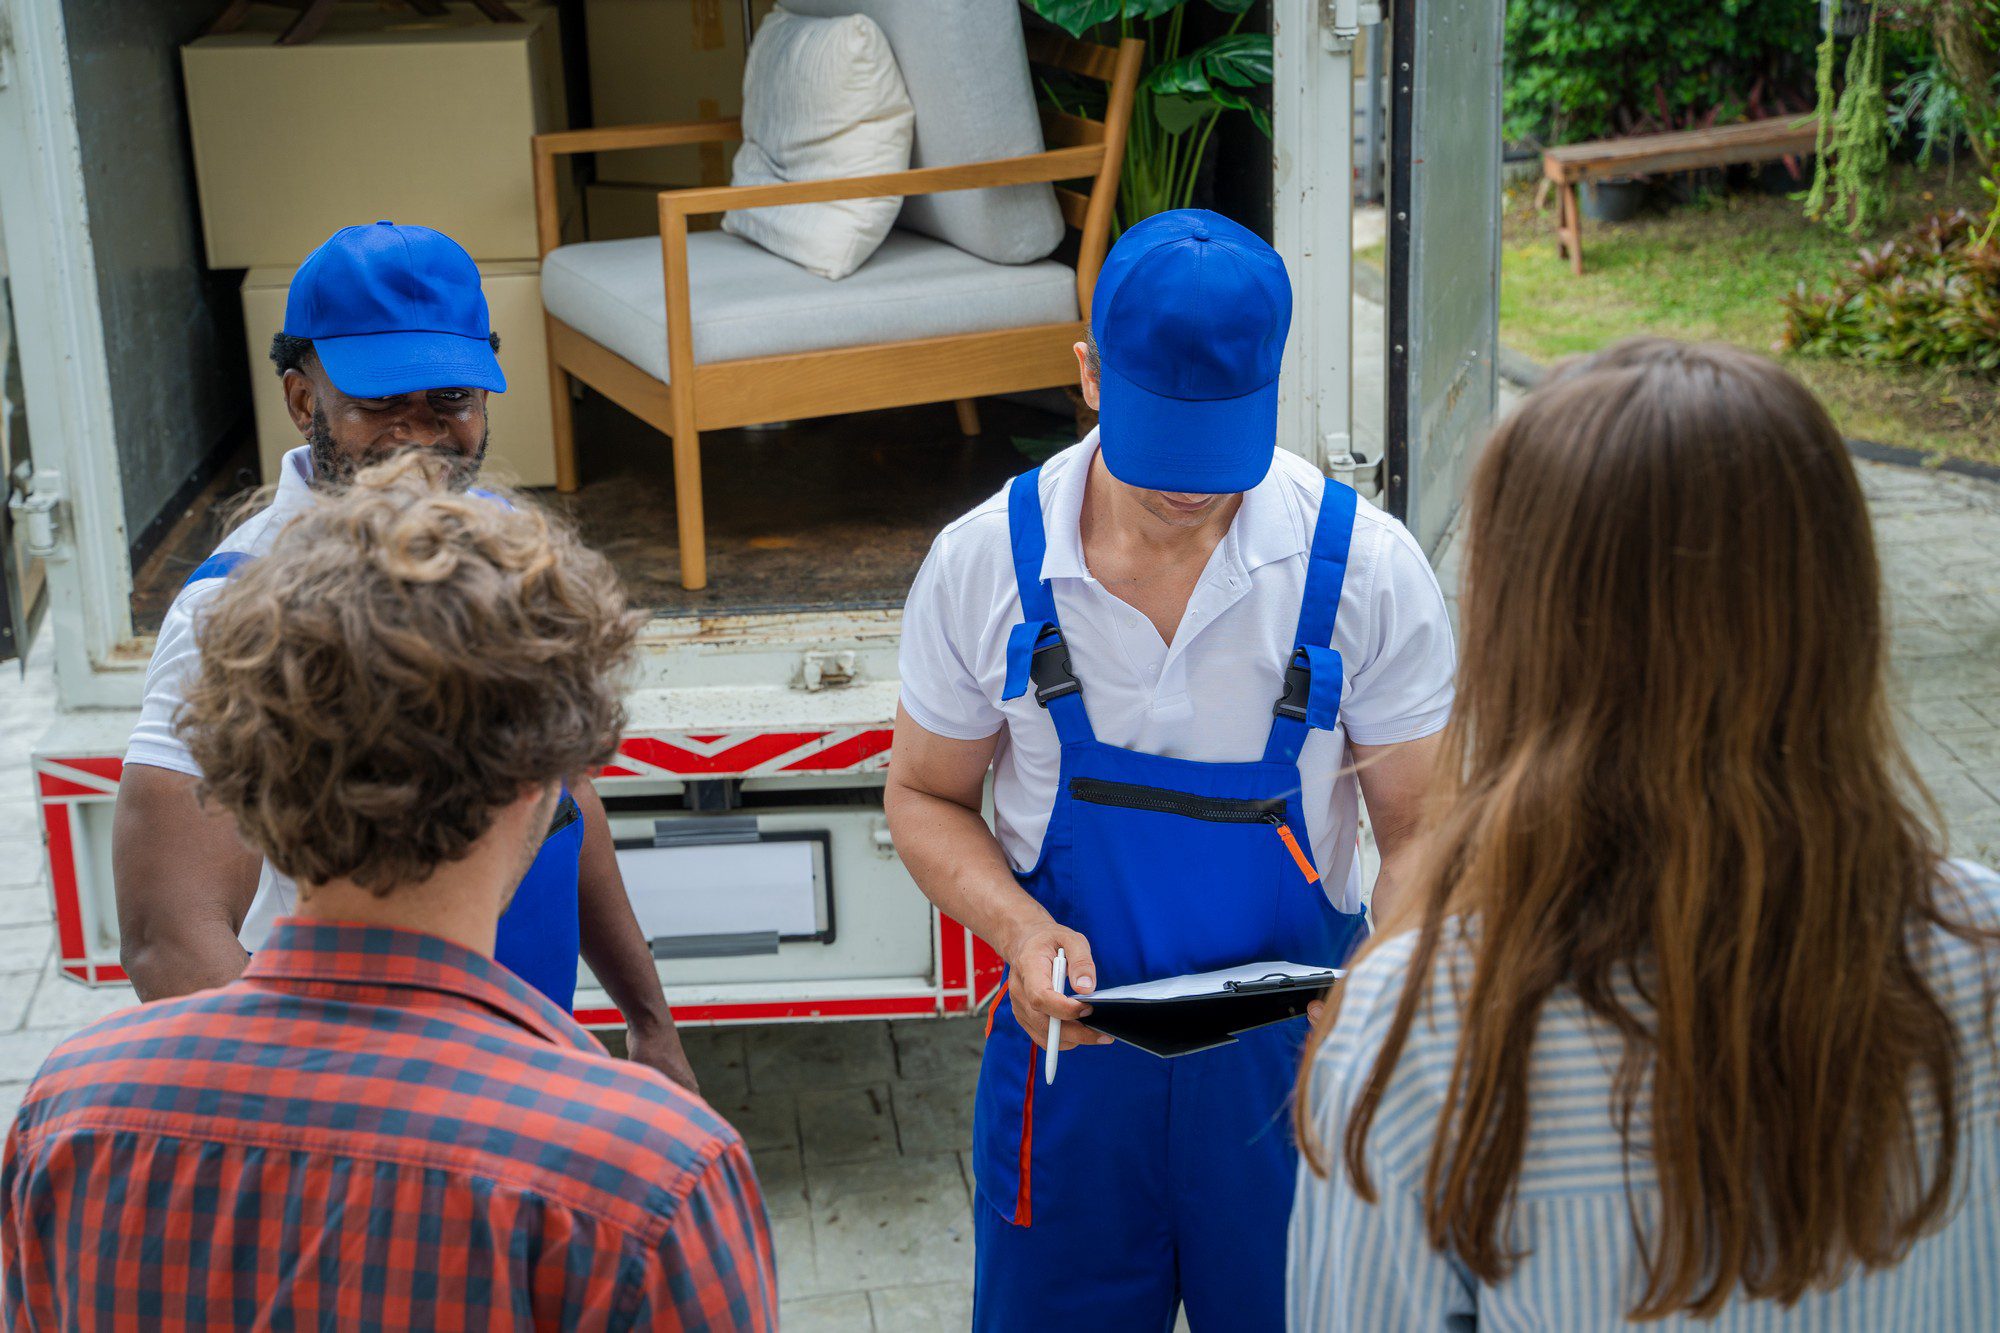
[[372, 1129]]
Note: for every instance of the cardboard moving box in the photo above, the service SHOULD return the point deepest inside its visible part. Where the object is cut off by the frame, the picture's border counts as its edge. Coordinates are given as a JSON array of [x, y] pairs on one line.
[[665, 60], [384, 115], [522, 452]]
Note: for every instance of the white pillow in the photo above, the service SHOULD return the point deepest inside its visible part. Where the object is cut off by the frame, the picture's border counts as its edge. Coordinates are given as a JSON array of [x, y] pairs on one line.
[[822, 97]]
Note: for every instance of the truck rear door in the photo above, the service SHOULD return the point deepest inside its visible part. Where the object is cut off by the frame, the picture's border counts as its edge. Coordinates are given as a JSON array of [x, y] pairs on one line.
[[20, 568], [1444, 254]]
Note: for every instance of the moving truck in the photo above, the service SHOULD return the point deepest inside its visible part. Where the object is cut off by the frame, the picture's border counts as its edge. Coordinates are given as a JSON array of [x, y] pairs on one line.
[[747, 794]]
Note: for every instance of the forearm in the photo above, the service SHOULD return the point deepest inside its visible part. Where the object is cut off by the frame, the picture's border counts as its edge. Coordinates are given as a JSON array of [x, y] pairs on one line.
[[1396, 782], [608, 930], [959, 865], [619, 956], [1388, 899]]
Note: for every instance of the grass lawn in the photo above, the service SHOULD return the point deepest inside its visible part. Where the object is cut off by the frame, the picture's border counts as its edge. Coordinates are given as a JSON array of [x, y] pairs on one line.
[[1715, 269]]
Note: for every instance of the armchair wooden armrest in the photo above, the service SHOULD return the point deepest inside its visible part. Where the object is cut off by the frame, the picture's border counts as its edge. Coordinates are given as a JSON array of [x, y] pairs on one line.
[[548, 147], [1056, 164], [612, 138]]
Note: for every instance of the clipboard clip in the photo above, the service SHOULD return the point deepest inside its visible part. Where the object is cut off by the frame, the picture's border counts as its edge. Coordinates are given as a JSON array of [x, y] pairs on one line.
[[1277, 981]]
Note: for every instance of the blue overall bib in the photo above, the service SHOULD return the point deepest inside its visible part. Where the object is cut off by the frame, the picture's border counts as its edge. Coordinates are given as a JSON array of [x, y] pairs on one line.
[[1132, 1184], [539, 932]]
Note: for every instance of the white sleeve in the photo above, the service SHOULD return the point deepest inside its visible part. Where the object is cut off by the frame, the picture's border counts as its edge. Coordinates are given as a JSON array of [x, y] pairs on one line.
[[175, 660], [1402, 689], [939, 689]]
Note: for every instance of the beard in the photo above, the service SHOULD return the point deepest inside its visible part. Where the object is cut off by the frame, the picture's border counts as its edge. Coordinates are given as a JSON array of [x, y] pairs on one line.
[[333, 469]]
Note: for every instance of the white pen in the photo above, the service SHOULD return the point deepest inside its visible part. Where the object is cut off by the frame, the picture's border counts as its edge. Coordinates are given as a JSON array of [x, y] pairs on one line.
[[1055, 1024]]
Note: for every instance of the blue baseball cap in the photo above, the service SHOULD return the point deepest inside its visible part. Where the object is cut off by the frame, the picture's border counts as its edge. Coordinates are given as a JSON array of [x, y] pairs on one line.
[[394, 310], [1190, 316]]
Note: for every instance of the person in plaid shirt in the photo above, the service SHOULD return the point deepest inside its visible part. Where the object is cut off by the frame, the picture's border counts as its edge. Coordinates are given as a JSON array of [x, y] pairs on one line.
[[377, 1126]]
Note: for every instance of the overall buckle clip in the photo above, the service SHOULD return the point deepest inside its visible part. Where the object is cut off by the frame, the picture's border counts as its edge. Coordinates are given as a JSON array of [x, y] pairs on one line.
[[1049, 669], [1298, 688]]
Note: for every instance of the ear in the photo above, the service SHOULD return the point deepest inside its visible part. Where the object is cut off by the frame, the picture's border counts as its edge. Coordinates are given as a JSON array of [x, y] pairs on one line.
[[300, 399], [1086, 377]]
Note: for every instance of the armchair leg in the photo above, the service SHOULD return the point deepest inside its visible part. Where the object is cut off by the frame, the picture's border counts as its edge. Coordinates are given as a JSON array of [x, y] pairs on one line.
[[968, 416], [562, 420], [688, 509]]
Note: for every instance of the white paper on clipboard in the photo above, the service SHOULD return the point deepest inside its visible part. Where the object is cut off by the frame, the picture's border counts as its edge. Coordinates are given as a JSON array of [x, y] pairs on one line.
[[727, 888]]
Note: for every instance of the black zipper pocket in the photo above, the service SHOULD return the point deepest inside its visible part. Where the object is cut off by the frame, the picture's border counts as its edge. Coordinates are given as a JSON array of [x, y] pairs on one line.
[[1215, 809]]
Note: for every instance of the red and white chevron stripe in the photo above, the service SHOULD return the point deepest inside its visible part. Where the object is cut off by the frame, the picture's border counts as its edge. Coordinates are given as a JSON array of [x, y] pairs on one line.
[[730, 754], [967, 972]]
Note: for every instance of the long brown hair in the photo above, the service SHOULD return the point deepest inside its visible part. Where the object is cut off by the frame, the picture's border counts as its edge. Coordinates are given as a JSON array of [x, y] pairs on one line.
[[1672, 772]]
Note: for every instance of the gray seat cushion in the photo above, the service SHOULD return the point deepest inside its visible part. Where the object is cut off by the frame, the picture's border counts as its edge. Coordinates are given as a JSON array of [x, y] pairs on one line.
[[748, 302], [966, 66]]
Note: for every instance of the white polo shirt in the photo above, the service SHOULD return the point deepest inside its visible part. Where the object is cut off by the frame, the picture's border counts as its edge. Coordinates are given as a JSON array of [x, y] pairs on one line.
[[176, 659], [1208, 695]]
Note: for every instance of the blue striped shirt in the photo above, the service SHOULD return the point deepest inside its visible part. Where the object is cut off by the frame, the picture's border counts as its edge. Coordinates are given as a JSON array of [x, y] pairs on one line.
[[1370, 1267]]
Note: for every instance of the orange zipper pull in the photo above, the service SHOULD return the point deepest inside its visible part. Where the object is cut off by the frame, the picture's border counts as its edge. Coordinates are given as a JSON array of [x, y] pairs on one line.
[[1298, 854]]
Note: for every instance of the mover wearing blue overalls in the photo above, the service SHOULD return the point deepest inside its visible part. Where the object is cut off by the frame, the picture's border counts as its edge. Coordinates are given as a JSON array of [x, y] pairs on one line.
[[397, 321], [1133, 1185], [1168, 866]]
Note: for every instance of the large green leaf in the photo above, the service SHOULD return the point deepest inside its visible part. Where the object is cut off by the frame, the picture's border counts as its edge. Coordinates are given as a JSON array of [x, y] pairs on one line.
[[1078, 16], [1231, 6], [1178, 114], [1150, 9], [1240, 60]]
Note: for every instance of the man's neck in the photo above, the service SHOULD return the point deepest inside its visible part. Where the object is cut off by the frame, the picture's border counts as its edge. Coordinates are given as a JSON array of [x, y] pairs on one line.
[[462, 903], [1116, 515], [1148, 562]]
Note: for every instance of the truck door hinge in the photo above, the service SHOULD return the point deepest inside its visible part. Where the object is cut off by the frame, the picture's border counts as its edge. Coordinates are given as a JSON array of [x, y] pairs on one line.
[[34, 497], [1352, 469], [1341, 21]]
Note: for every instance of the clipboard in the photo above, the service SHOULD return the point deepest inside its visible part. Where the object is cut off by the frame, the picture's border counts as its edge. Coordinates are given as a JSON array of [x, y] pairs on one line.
[[1176, 1016]]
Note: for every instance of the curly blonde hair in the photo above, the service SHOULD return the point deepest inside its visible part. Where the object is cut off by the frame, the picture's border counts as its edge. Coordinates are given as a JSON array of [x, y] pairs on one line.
[[403, 663]]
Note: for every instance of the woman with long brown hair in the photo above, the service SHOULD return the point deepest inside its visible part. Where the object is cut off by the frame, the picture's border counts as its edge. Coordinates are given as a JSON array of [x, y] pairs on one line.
[[1692, 1020]]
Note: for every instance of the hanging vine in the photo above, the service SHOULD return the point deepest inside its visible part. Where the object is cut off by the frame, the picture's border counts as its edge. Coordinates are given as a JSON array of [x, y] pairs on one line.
[[1857, 128], [1850, 174]]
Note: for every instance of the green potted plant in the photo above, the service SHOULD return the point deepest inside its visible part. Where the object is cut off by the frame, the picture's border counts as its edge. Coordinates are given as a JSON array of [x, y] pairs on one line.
[[1184, 92]]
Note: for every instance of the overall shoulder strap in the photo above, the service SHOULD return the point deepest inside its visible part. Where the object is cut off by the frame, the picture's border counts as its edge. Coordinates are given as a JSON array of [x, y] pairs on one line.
[[1030, 541], [1036, 653], [219, 566], [1314, 675]]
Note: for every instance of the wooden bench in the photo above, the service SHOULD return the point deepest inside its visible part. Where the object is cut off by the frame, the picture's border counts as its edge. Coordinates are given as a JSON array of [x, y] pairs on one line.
[[1684, 150]]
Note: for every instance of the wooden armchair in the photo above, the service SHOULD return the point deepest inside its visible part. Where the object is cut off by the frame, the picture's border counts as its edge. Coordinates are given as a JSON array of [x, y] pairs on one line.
[[697, 394]]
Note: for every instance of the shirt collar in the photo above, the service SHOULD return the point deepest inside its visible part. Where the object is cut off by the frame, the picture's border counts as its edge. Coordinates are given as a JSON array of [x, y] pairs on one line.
[[295, 482], [295, 470], [1269, 526], [350, 953]]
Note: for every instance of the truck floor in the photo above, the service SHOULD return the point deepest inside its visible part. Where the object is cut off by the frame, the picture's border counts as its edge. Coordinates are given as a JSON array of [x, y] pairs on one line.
[[831, 512]]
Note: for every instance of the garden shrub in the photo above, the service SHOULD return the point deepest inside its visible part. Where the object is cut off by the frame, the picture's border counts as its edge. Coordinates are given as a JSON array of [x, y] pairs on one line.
[[1592, 69], [1931, 298]]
